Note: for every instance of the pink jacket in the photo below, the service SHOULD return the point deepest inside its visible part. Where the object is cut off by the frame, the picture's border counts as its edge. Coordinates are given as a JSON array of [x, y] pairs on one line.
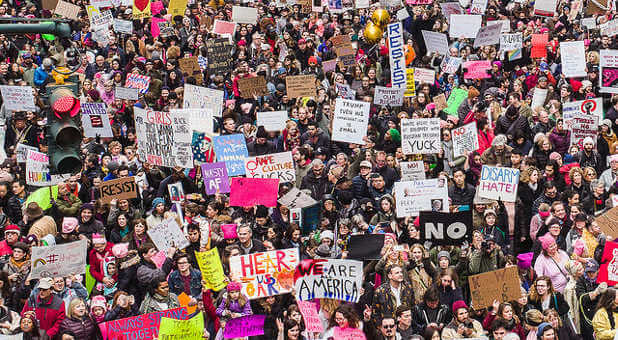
[[545, 266]]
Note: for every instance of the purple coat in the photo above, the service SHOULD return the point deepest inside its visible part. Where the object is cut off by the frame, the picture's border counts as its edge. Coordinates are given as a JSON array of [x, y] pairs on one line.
[[560, 141], [234, 307]]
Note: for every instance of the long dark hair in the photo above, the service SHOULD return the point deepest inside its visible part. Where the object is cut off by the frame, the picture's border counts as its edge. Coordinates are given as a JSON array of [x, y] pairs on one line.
[[607, 301], [348, 312]]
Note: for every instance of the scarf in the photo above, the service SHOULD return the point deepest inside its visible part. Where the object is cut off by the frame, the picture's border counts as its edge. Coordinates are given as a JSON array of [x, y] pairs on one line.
[[18, 264]]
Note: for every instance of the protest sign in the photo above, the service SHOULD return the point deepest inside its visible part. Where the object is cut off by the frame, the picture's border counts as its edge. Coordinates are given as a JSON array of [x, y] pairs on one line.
[[396, 55], [329, 65], [421, 195], [435, 42], [252, 86], [231, 149], [344, 50], [191, 68], [424, 76], [488, 35], [224, 27], [21, 152], [120, 189], [215, 178], [609, 28], [193, 120], [582, 126], [365, 246], [141, 9], [168, 234], [229, 231], [136, 81], [219, 53], [247, 192], [608, 71], [265, 274], [143, 326], [539, 45], [49, 5], [37, 170], [244, 326], [328, 278], [498, 183], [410, 85], [608, 222], [454, 101], [345, 91], [197, 97], [155, 135], [300, 86], [545, 8], [445, 228], [309, 311], [272, 120], [538, 98], [440, 101], [173, 329], [95, 121], [464, 26], [348, 333], [450, 8], [573, 58], [101, 20], [412, 170], [275, 165], [209, 263], [126, 93], [202, 147], [506, 25], [18, 98], [591, 23], [477, 69], [402, 14], [450, 64], [295, 199], [592, 106], [123, 26], [465, 138], [59, 260], [502, 285], [244, 15], [608, 271], [420, 136], [176, 192], [350, 121], [478, 7], [67, 10], [511, 41], [389, 96], [156, 7], [177, 7]]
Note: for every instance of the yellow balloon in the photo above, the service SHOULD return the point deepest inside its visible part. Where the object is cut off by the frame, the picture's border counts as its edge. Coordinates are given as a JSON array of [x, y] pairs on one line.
[[381, 17], [372, 33]]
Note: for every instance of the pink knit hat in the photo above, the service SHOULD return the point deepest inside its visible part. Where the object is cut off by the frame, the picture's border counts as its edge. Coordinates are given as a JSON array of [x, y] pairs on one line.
[[98, 301], [69, 224], [234, 286], [120, 250], [547, 241]]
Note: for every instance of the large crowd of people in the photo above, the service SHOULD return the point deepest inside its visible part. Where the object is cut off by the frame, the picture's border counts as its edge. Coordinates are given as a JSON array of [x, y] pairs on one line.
[[417, 290]]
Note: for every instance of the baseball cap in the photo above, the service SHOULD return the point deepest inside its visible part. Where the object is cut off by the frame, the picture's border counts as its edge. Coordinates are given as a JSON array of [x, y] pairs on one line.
[[45, 283]]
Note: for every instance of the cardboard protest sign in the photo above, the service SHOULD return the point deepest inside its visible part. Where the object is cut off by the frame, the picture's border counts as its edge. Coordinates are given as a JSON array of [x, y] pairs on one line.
[[300, 86], [120, 189], [265, 274], [59, 260], [328, 278], [197, 97], [275, 165], [422, 195], [445, 228], [95, 121], [424, 76], [465, 138], [67, 10], [502, 285], [137, 81], [296, 199], [192, 329], [177, 7], [435, 42], [454, 101], [389, 96], [545, 8], [350, 121], [143, 326], [464, 25], [247, 192], [37, 170], [498, 183], [272, 120], [231, 149], [18, 98], [450, 64], [511, 41], [573, 58], [440, 101], [245, 326], [215, 178], [412, 170], [126, 93], [168, 234], [344, 50], [592, 106], [582, 126], [309, 311], [420, 136], [539, 45], [219, 53], [410, 83], [211, 268], [396, 55], [49, 5], [252, 86], [608, 71], [608, 222], [488, 35], [191, 68], [244, 15], [21, 151]]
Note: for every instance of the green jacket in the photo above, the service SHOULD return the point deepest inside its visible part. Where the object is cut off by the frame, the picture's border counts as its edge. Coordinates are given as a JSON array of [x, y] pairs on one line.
[[69, 207]]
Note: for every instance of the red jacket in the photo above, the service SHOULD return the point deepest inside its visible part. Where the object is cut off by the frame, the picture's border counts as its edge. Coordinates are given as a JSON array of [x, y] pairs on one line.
[[49, 313], [95, 260], [210, 309], [485, 139]]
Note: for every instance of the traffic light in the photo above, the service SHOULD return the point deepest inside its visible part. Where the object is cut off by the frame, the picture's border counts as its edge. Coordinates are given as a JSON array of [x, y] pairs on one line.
[[63, 133]]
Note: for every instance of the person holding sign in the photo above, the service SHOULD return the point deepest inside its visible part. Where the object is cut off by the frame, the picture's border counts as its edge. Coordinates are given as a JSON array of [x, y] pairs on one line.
[[234, 304]]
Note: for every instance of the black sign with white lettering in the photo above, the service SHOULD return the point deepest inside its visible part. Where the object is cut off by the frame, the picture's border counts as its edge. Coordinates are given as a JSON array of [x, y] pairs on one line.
[[445, 228]]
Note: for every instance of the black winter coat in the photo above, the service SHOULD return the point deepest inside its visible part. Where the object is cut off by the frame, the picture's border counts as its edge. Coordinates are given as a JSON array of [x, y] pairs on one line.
[[84, 328]]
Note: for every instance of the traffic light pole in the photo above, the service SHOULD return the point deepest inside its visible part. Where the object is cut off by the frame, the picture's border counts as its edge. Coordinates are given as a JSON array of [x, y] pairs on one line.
[[58, 27]]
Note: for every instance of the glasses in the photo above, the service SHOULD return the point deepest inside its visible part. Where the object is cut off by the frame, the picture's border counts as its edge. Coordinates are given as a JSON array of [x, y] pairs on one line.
[[183, 262], [389, 326]]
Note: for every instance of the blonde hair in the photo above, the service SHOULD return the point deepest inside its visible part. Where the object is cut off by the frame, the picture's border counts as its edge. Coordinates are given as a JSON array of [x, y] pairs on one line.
[[72, 305]]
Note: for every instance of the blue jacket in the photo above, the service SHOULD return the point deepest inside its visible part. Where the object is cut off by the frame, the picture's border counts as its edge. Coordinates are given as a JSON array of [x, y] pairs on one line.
[[177, 287], [40, 76]]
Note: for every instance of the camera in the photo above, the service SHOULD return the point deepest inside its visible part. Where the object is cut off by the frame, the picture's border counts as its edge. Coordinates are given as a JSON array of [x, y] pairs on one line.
[[469, 324]]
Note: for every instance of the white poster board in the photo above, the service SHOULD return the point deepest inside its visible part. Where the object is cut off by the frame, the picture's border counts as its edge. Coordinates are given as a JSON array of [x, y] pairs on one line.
[[275, 165], [498, 183], [95, 121], [573, 58], [396, 55], [388, 96], [59, 260], [414, 170], [464, 26], [272, 120], [420, 136], [202, 97], [422, 195], [465, 138], [350, 121], [18, 98], [435, 42], [168, 234]]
